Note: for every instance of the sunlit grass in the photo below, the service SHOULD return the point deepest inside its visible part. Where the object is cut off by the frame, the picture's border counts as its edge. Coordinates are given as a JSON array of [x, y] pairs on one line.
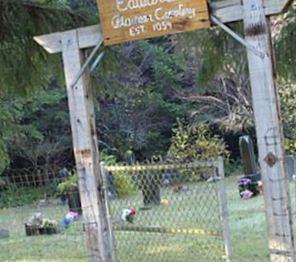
[[247, 222]]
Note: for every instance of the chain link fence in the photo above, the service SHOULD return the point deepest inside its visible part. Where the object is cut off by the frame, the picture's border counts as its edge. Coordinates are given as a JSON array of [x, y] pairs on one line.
[[169, 212], [38, 220], [159, 212]]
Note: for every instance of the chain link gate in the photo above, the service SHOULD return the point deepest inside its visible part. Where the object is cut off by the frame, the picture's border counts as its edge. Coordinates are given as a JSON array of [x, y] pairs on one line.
[[169, 212]]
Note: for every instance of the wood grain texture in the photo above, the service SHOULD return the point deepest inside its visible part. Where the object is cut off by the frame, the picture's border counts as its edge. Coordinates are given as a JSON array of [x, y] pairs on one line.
[[227, 11], [233, 10], [129, 20], [97, 226], [269, 133]]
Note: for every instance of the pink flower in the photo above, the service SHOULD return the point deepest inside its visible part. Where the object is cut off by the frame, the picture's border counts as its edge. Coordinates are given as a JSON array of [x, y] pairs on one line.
[[73, 215], [247, 194]]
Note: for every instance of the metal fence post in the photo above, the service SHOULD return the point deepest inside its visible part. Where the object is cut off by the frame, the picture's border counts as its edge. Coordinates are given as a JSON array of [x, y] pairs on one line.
[[224, 210], [112, 251]]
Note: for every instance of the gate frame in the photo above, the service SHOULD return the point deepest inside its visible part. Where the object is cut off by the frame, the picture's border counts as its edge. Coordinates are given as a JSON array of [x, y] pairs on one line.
[[218, 177]]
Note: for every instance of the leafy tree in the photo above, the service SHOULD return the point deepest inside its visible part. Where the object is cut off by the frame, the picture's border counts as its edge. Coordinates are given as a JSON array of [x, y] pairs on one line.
[[143, 87], [23, 65], [284, 28], [138, 104]]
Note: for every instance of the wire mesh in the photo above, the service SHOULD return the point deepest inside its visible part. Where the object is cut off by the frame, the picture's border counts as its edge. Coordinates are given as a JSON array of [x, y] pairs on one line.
[[33, 224], [167, 213], [159, 212]]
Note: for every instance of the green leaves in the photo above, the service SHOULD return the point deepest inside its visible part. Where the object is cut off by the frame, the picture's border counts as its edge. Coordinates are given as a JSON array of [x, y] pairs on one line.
[[196, 142], [24, 66], [288, 105], [285, 39]]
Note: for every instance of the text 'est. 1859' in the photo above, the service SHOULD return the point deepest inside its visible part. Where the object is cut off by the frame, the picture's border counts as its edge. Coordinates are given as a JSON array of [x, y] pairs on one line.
[[128, 20]]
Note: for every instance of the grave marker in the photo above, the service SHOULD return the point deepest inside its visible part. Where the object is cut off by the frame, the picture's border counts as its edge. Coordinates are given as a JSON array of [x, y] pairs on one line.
[[246, 149]]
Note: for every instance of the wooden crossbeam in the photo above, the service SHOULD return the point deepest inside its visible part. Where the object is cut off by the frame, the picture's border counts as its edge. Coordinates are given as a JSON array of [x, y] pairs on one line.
[[226, 11], [87, 37], [233, 10]]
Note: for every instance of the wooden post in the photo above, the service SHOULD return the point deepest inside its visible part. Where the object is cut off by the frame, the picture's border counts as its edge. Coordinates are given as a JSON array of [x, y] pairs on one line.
[[224, 210], [269, 133], [93, 198]]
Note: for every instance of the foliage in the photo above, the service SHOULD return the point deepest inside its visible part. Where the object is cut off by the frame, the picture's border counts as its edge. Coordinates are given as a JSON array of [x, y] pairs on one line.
[[12, 128], [288, 103], [69, 185], [48, 223], [124, 185], [143, 87], [25, 68], [108, 159], [196, 142], [35, 130], [14, 196], [24, 65], [137, 100], [285, 38]]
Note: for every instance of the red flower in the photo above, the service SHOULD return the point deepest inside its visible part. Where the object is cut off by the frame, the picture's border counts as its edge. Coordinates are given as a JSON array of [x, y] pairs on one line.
[[133, 211]]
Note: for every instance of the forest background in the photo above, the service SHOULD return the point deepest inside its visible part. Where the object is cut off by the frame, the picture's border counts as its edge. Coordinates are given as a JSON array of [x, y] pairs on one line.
[[182, 96]]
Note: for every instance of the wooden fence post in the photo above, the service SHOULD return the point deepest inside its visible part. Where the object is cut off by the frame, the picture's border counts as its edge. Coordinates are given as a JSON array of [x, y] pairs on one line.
[[269, 133], [92, 194]]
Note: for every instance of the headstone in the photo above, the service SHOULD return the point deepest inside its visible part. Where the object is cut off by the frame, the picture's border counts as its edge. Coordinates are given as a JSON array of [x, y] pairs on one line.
[[74, 202], [4, 233], [246, 148]]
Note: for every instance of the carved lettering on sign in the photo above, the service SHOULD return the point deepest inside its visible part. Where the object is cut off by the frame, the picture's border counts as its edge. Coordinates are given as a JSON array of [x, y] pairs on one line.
[[128, 20]]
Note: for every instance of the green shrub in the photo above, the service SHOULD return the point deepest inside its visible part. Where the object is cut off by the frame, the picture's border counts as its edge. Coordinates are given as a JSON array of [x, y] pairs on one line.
[[124, 185], [108, 159], [190, 143], [196, 142], [14, 196], [69, 185]]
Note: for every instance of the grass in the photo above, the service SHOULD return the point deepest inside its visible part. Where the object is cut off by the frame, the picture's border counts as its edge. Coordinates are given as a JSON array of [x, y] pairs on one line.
[[190, 209]]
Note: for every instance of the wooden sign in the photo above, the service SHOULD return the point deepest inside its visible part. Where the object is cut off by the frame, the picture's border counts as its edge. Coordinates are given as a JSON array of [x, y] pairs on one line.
[[128, 20]]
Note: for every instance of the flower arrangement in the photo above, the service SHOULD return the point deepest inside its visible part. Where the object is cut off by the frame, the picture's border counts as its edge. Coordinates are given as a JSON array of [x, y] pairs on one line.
[[68, 219], [128, 214], [37, 225], [249, 188], [69, 190]]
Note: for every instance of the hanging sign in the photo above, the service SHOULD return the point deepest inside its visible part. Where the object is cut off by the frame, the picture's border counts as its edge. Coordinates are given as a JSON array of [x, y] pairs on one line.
[[128, 20]]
